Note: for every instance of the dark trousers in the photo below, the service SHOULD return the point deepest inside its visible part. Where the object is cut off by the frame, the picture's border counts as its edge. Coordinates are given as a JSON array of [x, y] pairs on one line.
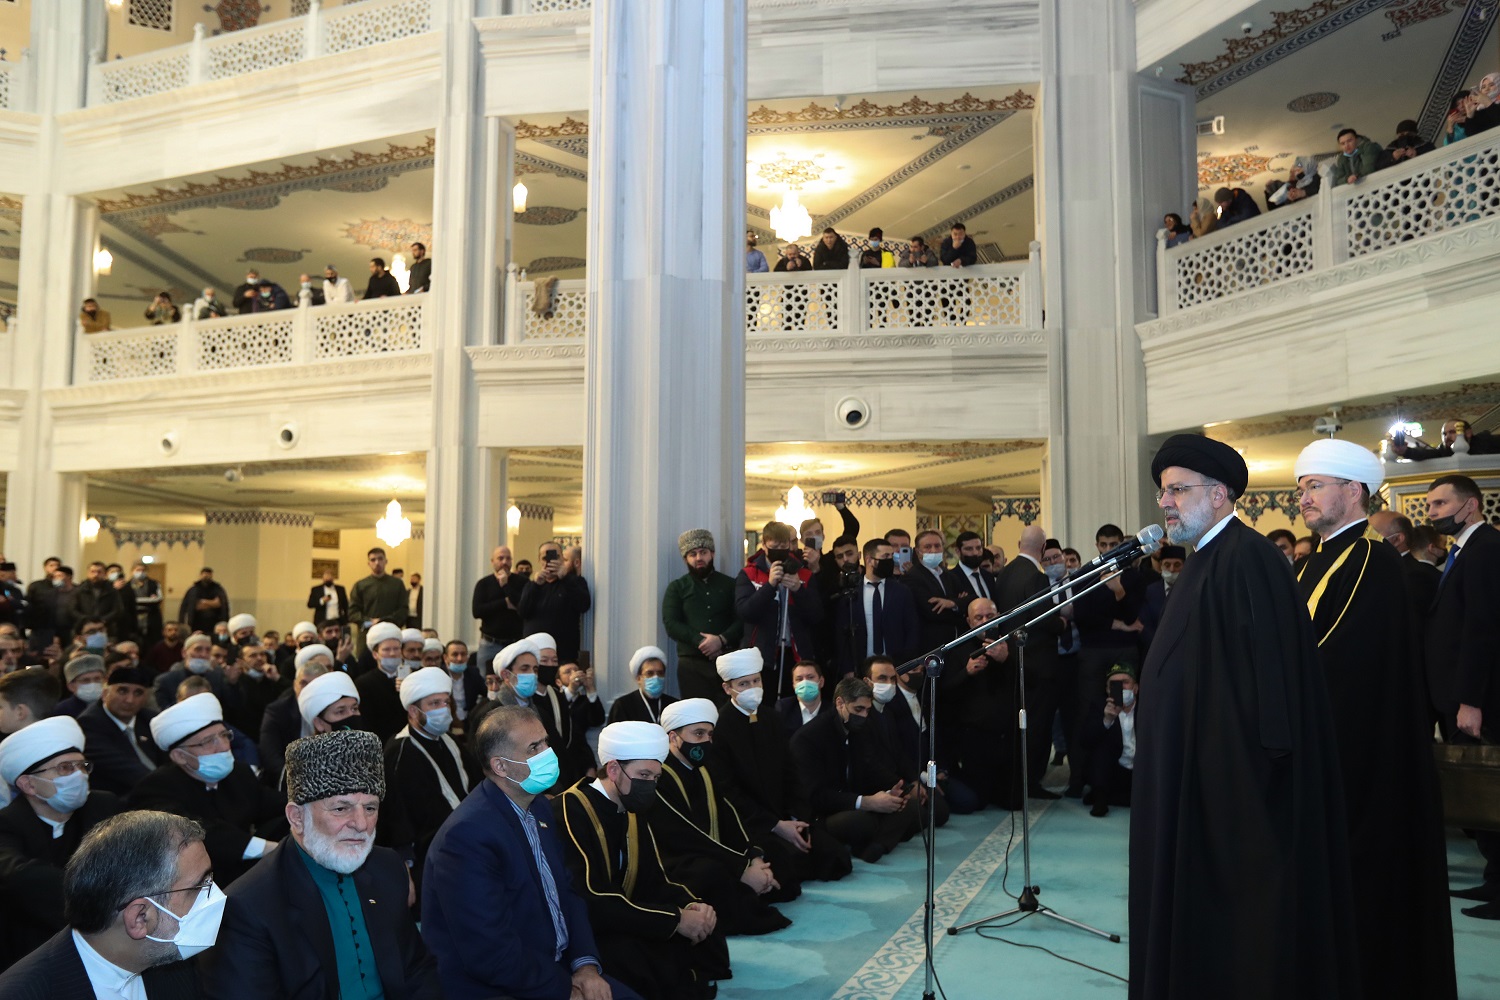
[[1041, 705], [860, 829], [697, 678], [663, 970], [1488, 841], [1110, 782]]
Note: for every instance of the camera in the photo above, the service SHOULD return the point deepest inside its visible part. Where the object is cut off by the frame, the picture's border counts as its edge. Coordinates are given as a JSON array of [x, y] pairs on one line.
[[835, 497], [852, 412]]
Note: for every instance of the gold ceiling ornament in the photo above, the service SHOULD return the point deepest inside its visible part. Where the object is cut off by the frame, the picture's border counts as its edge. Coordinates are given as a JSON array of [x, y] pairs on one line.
[[789, 173], [865, 109], [568, 127]]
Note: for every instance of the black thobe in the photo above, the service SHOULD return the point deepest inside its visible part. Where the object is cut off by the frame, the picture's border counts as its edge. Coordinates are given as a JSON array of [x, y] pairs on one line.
[[380, 703], [636, 707], [231, 812], [633, 906], [1356, 592], [1239, 857], [418, 798]]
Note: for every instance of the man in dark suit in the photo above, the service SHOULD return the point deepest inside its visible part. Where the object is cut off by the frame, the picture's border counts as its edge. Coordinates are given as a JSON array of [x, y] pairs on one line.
[[806, 702], [968, 580], [502, 843], [1155, 602], [1463, 632], [335, 783], [329, 601], [107, 943], [1020, 580], [117, 731], [1421, 577], [878, 617], [928, 582]]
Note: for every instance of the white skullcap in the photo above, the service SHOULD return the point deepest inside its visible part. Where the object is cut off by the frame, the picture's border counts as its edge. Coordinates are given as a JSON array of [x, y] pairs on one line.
[[412, 635], [1341, 459], [25, 748], [421, 683], [432, 644], [306, 653], [642, 655], [688, 712], [380, 632], [173, 725], [507, 656], [739, 663], [240, 621], [632, 741], [196, 639], [542, 640], [304, 628], [322, 691]]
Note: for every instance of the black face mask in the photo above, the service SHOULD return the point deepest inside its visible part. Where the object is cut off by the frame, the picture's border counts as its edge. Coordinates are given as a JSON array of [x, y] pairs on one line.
[[546, 676], [1447, 526], [971, 562], [696, 753], [355, 721], [884, 568], [642, 794], [856, 723], [774, 556]]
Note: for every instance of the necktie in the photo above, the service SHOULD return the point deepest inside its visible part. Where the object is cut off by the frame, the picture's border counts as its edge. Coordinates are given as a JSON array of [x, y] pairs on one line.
[[878, 632], [979, 584], [1452, 557]]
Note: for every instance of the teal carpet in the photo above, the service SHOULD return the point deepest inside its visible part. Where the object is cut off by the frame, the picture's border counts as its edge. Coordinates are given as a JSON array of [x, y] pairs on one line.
[[861, 938]]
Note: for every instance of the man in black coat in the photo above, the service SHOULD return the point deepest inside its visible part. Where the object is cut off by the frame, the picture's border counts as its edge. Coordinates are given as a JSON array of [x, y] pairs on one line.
[[1463, 632], [205, 604], [382, 284], [554, 602], [1022, 579], [117, 732], [1103, 745], [335, 784], [928, 582], [878, 617], [329, 601], [775, 573], [497, 596], [969, 580], [1421, 578]]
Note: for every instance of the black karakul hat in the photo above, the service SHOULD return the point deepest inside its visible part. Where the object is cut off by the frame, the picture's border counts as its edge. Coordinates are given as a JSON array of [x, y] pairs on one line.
[[342, 762]]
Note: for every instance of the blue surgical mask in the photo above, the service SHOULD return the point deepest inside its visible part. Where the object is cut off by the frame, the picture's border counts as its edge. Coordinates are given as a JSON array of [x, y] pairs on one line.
[[526, 685], [96, 640], [216, 766], [70, 792], [655, 686], [807, 691], [932, 560], [390, 663], [544, 769], [198, 665], [1128, 696], [458, 668], [437, 721]]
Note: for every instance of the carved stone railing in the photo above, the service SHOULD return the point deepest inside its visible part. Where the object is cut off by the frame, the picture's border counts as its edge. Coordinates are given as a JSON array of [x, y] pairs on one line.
[[1422, 197], [13, 83], [282, 337], [280, 43], [869, 303]]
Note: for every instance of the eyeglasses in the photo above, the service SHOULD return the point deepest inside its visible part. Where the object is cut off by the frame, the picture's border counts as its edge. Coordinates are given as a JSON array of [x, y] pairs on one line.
[[65, 768], [219, 739], [1312, 488], [208, 880], [1176, 492]]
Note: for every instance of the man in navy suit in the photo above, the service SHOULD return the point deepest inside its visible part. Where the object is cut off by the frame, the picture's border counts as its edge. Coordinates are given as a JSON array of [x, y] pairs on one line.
[[496, 874], [928, 582], [117, 729], [968, 580], [877, 617], [806, 702], [1172, 559]]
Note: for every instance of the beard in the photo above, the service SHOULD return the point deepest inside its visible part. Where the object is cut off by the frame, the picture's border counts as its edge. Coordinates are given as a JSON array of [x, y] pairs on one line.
[[331, 852], [1188, 527]]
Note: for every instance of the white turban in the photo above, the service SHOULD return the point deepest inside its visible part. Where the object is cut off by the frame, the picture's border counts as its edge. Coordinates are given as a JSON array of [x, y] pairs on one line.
[[432, 645], [739, 663], [306, 653], [240, 621], [1342, 460], [320, 692], [173, 725], [304, 628], [380, 632], [542, 640], [26, 748], [642, 655], [632, 741], [421, 683], [687, 712], [412, 635], [507, 656]]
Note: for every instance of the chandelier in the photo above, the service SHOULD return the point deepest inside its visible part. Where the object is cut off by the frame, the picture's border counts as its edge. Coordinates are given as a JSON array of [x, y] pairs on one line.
[[518, 198], [393, 529], [513, 518], [794, 511], [790, 220]]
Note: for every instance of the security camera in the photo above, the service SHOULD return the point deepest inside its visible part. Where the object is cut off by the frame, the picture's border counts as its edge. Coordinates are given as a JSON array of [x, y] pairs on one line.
[[1327, 425], [233, 475], [1246, 27], [288, 434], [852, 412], [168, 443]]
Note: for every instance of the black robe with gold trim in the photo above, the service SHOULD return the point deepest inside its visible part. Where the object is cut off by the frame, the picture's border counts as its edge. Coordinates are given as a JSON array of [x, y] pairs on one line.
[[1356, 593]]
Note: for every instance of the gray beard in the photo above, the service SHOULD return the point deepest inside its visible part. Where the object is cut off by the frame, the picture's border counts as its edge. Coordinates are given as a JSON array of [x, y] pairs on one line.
[[327, 852]]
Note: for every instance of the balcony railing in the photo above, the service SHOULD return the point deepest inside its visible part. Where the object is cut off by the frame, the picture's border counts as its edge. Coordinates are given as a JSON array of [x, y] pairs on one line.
[[1430, 194], [872, 302], [290, 40], [13, 84], [377, 328]]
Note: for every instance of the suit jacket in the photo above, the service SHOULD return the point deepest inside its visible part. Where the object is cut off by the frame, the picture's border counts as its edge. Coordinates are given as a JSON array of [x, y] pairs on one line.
[[1463, 632], [1152, 607], [315, 602], [281, 723], [938, 627], [117, 768], [790, 711], [1017, 583], [55, 972], [899, 624], [481, 855], [258, 958], [961, 588], [229, 812], [841, 766]]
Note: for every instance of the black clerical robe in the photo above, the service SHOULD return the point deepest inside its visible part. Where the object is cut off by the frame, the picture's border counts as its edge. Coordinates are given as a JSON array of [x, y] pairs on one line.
[[634, 907], [636, 707], [425, 780], [231, 812], [568, 724], [1356, 594], [380, 703], [1239, 856]]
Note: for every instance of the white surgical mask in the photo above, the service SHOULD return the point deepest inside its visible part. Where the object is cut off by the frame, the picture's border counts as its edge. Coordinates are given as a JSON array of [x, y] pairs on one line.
[[932, 560], [884, 692], [1169, 578], [750, 698], [198, 929], [70, 792], [90, 692], [1128, 696]]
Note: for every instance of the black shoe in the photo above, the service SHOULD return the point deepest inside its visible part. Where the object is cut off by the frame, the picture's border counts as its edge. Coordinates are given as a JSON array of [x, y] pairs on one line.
[[871, 853], [1484, 911], [1042, 793], [1057, 759], [1486, 892], [1100, 809]]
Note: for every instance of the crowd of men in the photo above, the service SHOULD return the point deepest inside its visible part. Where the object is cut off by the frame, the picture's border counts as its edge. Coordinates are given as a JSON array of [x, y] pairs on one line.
[[337, 812]]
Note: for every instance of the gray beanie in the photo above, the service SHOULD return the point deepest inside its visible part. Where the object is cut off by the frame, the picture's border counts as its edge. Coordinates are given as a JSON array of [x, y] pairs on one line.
[[695, 538]]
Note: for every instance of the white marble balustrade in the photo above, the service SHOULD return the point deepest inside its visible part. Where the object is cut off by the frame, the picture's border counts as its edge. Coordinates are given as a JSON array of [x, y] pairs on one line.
[[282, 337], [1422, 197]]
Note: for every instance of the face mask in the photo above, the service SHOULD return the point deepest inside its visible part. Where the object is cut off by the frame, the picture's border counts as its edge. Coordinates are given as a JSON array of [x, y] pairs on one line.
[[96, 640], [750, 698], [70, 792], [777, 555], [654, 686], [932, 560], [1056, 574], [437, 722], [807, 691], [972, 562], [139, 574], [525, 685], [492, 695], [815, 542], [216, 766], [113, 575], [884, 692], [199, 928], [390, 663], [696, 753], [459, 667], [884, 568], [256, 674], [856, 722], [1169, 578], [1447, 526], [546, 674], [307, 284], [875, 244], [57, 581], [198, 665], [642, 795], [90, 692], [1128, 696], [544, 770]]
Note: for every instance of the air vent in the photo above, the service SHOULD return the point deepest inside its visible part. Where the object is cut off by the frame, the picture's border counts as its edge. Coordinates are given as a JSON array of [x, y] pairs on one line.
[[1211, 126]]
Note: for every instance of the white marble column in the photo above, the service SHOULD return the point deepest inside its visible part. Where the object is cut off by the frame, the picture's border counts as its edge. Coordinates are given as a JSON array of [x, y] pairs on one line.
[[1111, 150], [665, 377]]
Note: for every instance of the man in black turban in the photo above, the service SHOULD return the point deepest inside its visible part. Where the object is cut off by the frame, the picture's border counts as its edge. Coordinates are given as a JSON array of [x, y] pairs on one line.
[[1239, 859]]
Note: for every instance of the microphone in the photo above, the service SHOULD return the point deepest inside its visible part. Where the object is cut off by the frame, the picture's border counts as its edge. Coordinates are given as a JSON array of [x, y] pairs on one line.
[[1146, 541]]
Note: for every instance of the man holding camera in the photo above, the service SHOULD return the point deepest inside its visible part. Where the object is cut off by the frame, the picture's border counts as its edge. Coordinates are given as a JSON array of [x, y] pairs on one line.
[[555, 599], [779, 602]]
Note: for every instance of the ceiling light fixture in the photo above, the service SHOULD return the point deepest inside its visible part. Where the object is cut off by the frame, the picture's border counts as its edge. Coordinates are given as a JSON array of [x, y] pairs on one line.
[[88, 529], [518, 198], [400, 272], [103, 261], [513, 518], [393, 529], [789, 220], [794, 511]]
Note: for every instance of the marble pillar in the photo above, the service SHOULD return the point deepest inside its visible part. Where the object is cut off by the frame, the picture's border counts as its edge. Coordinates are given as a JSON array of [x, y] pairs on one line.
[[665, 376]]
